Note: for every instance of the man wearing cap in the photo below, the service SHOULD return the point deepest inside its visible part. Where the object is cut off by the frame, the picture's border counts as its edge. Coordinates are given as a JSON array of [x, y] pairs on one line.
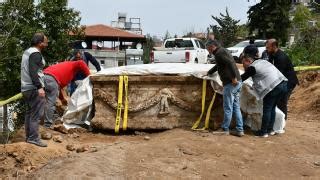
[[230, 77], [252, 47], [269, 84]]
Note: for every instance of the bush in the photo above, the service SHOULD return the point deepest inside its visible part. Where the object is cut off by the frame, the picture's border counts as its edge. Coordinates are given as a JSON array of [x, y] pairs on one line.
[[306, 51]]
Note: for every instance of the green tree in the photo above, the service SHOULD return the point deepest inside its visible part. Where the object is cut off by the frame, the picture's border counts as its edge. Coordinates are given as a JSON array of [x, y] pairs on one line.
[[226, 30], [302, 16], [147, 48], [270, 19], [19, 21], [17, 27]]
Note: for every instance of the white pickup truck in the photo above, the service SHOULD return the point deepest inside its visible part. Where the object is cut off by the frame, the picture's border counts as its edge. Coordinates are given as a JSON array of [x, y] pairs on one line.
[[180, 50]]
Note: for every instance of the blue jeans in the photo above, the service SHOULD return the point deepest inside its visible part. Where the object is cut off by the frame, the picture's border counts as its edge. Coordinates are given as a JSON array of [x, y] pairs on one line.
[[269, 106], [231, 106]]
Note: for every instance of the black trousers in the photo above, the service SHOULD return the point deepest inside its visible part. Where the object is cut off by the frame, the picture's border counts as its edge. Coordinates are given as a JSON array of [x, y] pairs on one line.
[[282, 103]]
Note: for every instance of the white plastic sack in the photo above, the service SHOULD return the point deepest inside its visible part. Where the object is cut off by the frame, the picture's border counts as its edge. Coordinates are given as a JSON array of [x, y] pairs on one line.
[[80, 104]]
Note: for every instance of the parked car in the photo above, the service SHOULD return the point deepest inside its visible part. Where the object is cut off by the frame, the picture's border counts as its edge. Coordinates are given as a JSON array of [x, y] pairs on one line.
[[237, 49], [180, 50]]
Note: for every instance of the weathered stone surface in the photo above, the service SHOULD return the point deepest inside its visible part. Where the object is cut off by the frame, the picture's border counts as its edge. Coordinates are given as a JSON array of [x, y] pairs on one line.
[[155, 102], [46, 135], [57, 139]]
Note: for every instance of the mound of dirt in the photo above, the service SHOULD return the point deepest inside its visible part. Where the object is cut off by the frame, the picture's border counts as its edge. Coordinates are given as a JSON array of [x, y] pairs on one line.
[[306, 96]]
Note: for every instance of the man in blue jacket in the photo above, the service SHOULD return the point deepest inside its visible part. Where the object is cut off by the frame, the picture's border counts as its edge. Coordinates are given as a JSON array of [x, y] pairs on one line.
[[86, 57]]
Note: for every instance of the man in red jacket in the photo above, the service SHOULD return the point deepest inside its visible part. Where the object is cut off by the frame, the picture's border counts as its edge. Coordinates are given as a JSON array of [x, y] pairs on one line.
[[56, 78]]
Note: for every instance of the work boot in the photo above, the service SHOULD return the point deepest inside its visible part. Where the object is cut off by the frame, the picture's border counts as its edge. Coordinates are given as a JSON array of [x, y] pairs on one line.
[[237, 133], [37, 143]]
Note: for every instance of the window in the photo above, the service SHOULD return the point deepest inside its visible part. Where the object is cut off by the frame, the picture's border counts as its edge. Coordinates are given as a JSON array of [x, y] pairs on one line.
[[202, 46], [179, 43], [260, 43]]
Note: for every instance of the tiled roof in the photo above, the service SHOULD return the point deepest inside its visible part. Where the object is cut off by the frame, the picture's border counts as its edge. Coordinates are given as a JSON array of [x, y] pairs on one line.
[[100, 30]]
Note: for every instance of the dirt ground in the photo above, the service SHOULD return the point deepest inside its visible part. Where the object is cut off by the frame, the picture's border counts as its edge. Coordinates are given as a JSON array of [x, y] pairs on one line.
[[179, 153]]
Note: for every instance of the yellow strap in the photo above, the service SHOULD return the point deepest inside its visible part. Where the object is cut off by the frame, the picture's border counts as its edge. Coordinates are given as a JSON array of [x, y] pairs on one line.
[[14, 98], [206, 125], [120, 91], [204, 88], [126, 103]]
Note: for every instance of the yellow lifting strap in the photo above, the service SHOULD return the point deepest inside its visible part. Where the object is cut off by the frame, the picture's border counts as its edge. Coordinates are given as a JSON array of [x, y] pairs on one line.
[[118, 117], [14, 98], [196, 124], [126, 103], [123, 80]]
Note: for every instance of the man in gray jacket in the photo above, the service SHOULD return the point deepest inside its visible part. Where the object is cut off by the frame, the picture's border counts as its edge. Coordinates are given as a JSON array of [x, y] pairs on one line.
[[230, 77], [32, 87]]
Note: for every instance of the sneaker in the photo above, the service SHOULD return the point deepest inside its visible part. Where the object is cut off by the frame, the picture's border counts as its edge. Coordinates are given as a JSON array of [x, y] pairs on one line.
[[237, 133], [38, 143], [261, 134], [220, 132], [272, 133]]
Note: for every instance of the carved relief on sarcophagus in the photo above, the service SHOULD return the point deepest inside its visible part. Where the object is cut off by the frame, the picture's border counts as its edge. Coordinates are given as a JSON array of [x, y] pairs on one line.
[[154, 102]]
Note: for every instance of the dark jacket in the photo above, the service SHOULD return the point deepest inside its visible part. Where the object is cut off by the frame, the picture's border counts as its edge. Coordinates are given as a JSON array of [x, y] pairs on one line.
[[87, 57], [283, 63], [225, 65]]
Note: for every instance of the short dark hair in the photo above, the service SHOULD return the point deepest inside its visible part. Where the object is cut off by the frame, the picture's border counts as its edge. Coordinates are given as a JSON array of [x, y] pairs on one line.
[[247, 56], [37, 38], [211, 42], [273, 42]]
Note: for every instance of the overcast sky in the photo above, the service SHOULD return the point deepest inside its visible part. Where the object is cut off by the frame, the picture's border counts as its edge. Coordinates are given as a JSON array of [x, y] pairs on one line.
[[158, 16]]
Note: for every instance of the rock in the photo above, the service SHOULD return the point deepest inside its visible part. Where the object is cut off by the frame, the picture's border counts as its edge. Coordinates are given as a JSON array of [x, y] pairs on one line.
[[70, 147], [82, 149], [46, 136], [60, 128], [57, 139], [317, 163], [93, 149], [13, 154], [186, 151], [184, 167], [74, 135], [225, 174], [147, 138]]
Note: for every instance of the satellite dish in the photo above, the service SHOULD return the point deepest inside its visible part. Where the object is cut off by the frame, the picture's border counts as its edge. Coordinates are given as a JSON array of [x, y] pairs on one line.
[[84, 45], [99, 44], [139, 46]]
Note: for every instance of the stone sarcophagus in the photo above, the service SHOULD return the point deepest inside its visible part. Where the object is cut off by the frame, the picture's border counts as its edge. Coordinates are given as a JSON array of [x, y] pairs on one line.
[[154, 102]]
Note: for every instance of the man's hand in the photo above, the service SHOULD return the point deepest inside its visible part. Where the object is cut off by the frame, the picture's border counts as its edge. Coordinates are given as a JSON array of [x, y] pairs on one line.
[[64, 102], [41, 92], [234, 82]]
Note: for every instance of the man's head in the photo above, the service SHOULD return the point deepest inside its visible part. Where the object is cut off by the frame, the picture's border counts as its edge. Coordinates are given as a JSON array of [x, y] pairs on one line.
[[212, 45], [252, 51], [39, 40], [251, 40], [77, 55], [272, 46], [247, 59]]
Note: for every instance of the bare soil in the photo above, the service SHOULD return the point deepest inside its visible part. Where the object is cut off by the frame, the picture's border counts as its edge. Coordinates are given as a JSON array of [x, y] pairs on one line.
[[179, 153]]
